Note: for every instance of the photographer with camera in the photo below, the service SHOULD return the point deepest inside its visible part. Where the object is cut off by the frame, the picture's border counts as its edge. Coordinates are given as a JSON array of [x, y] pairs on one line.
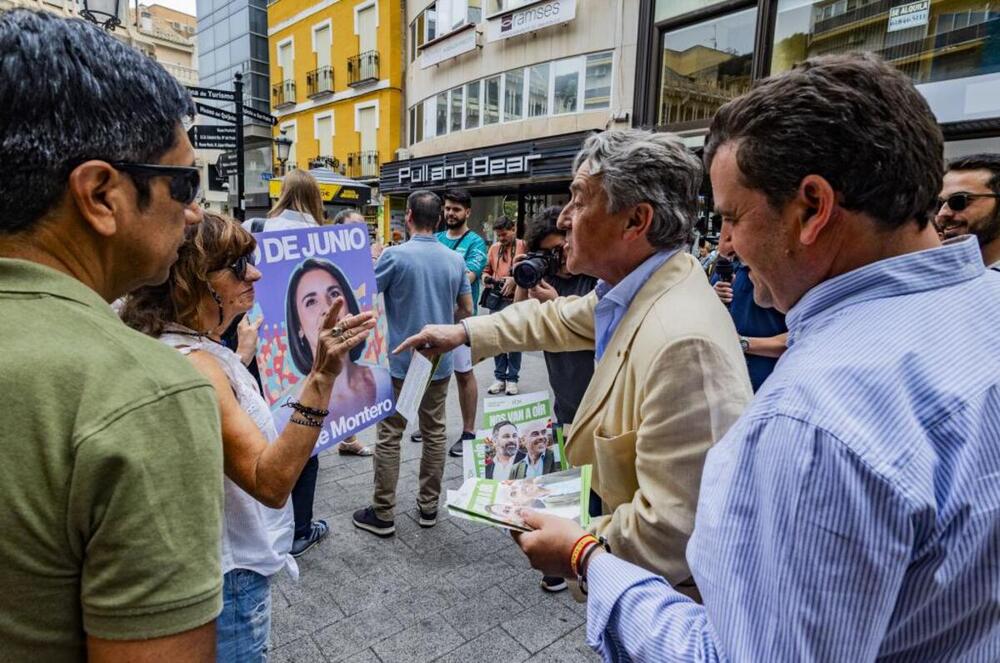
[[541, 274], [498, 294]]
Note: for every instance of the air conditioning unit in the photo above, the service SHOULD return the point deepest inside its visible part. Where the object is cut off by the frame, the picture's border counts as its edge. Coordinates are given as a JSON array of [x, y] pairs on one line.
[[402, 154]]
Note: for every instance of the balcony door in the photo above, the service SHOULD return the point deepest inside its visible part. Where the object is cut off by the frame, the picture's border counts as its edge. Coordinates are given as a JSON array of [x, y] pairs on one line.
[[367, 29]]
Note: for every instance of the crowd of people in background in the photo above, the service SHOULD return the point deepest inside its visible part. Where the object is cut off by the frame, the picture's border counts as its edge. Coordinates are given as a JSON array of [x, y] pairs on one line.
[[788, 462]]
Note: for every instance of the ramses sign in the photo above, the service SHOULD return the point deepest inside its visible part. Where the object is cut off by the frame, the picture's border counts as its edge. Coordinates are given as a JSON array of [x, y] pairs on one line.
[[477, 167]]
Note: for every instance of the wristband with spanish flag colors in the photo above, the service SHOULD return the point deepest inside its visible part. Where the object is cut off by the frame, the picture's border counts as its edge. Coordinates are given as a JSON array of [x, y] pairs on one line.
[[581, 544]]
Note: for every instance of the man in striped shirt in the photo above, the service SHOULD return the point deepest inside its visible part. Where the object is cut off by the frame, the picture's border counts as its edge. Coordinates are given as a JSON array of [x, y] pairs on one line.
[[853, 512]]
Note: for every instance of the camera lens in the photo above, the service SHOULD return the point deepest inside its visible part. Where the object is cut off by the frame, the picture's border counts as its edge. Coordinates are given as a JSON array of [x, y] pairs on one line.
[[529, 272]]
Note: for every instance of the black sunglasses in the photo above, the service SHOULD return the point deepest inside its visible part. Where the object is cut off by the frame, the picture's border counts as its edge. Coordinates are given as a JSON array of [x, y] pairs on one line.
[[959, 201], [240, 266], [185, 181]]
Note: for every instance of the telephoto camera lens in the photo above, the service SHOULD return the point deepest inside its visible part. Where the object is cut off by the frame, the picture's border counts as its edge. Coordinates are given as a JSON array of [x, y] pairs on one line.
[[529, 272]]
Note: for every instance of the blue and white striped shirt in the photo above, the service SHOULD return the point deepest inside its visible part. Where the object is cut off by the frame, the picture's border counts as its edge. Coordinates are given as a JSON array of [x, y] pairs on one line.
[[853, 512]]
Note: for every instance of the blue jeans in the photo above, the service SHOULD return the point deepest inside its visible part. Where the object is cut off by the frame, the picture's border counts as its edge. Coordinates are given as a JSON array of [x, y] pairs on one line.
[[243, 629], [507, 366]]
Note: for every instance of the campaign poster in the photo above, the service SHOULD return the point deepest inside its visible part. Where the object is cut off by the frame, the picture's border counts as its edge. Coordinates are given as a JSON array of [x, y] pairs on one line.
[[304, 270], [518, 439]]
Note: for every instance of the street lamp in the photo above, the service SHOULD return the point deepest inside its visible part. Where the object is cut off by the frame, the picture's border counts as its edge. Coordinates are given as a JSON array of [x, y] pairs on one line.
[[102, 12], [284, 146]]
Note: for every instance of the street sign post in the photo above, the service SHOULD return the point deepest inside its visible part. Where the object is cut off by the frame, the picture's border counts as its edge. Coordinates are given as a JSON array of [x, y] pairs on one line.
[[217, 113], [214, 138], [251, 112], [209, 93], [227, 164], [226, 137]]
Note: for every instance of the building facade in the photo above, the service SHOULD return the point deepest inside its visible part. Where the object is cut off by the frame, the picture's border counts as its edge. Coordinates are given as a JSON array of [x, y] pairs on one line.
[[232, 37], [163, 34], [694, 55], [500, 95], [336, 86]]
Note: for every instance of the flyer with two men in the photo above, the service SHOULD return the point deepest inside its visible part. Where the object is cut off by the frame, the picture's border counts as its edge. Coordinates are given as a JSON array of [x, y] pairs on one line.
[[517, 461], [303, 272]]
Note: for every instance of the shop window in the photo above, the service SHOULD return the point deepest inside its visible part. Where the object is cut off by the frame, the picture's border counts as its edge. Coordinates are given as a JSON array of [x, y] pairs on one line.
[[430, 128], [566, 82], [441, 126], [472, 105], [538, 90], [456, 109], [513, 95], [491, 105], [597, 83], [930, 42], [705, 65]]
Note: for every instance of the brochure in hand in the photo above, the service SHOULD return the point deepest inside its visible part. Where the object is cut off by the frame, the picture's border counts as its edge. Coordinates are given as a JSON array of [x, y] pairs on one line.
[[517, 440], [502, 503]]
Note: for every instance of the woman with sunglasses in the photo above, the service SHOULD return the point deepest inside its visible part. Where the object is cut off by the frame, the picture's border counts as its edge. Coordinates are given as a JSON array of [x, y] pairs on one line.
[[210, 284]]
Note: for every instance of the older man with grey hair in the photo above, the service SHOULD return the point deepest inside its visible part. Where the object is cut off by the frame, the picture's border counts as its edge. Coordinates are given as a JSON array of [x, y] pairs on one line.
[[670, 377]]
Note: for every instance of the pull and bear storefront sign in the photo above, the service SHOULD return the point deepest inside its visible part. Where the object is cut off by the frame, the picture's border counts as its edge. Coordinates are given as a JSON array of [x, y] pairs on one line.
[[477, 167]]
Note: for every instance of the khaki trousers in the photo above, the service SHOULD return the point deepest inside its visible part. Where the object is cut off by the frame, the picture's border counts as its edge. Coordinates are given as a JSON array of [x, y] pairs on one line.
[[390, 432]]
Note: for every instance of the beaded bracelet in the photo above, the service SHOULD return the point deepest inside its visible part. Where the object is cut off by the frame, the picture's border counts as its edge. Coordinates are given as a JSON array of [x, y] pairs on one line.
[[307, 421], [305, 409]]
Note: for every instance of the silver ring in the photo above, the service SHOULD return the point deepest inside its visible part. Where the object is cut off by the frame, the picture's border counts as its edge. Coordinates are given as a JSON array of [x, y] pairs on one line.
[[337, 331]]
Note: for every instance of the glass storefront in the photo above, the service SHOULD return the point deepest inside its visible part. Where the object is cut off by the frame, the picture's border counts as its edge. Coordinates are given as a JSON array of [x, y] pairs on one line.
[[928, 40], [703, 66]]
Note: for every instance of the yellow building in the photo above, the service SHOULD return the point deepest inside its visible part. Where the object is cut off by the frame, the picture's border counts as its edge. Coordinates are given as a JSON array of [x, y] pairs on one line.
[[336, 78]]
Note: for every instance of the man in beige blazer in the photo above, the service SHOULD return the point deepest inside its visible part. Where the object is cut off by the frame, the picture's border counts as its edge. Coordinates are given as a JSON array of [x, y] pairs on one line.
[[670, 377]]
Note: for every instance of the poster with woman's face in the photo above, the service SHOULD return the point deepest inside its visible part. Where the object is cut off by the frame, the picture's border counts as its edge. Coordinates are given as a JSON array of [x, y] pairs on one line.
[[304, 272]]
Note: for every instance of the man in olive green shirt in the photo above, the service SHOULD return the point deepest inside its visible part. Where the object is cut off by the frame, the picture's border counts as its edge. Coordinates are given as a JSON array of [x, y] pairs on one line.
[[111, 480]]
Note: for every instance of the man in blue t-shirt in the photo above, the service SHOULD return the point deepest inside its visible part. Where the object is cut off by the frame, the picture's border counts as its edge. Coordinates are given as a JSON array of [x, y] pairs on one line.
[[423, 283], [763, 334], [472, 248]]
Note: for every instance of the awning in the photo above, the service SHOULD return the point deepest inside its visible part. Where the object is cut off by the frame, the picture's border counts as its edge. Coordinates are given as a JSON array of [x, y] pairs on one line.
[[334, 187]]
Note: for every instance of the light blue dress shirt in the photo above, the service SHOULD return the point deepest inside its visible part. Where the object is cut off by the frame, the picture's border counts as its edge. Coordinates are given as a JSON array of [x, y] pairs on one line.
[[853, 512], [613, 301]]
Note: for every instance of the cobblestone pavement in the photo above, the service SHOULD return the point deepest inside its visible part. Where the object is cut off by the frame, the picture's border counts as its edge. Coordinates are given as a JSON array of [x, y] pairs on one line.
[[456, 592]]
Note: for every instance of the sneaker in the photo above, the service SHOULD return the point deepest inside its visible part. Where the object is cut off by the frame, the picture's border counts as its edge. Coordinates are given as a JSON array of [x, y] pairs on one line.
[[367, 520], [427, 518], [319, 530], [457, 448], [553, 584], [496, 387], [512, 389], [416, 437]]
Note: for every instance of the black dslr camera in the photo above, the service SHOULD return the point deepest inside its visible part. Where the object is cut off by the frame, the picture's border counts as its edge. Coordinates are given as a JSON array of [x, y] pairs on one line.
[[536, 265], [492, 297]]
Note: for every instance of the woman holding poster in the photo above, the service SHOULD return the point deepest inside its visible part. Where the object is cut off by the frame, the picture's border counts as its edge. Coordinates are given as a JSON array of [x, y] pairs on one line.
[[212, 283]]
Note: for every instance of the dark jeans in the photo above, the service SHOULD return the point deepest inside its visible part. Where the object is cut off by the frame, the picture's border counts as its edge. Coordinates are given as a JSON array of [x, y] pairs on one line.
[[507, 366], [303, 495]]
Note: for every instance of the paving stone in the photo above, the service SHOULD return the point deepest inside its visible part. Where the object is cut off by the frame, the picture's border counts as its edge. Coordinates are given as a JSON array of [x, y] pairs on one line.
[[356, 633], [303, 650], [540, 626], [423, 601], [493, 646], [571, 648], [473, 578], [300, 619], [367, 656], [424, 641], [486, 612]]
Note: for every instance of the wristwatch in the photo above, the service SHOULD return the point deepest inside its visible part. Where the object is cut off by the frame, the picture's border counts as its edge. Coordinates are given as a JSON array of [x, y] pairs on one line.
[[745, 344]]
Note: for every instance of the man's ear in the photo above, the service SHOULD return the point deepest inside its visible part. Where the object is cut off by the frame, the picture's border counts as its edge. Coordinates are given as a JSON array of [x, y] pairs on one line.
[[639, 221], [96, 189], [818, 202]]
